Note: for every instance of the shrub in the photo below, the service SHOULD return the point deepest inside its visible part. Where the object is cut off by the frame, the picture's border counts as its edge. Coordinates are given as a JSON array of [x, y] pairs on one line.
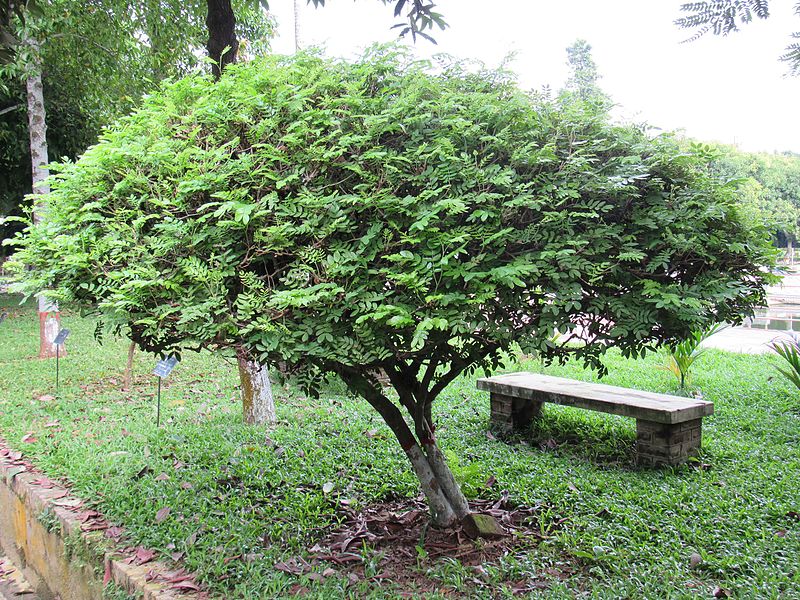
[[345, 218]]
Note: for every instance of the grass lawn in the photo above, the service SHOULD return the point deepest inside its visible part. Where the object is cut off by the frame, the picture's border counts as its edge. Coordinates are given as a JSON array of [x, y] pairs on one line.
[[245, 498]]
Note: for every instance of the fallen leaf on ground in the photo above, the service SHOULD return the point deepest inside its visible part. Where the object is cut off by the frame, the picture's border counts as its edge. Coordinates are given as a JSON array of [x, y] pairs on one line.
[[186, 585], [294, 566], [163, 514], [143, 555], [44, 483], [69, 502]]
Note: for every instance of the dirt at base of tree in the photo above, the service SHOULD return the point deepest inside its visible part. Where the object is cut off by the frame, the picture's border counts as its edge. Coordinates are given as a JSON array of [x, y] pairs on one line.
[[394, 544]]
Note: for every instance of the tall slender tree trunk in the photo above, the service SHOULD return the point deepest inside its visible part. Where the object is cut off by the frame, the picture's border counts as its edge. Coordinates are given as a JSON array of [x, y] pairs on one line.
[[49, 316], [296, 25], [258, 404], [223, 47]]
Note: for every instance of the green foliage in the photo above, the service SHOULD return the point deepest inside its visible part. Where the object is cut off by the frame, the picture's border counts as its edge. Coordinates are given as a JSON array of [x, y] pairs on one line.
[[348, 217], [70, 130], [768, 191], [722, 17], [418, 17], [98, 61], [683, 354], [790, 352], [582, 82]]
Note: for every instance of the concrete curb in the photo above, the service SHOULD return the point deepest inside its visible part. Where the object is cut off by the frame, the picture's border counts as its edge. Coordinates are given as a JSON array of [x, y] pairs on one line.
[[69, 552]]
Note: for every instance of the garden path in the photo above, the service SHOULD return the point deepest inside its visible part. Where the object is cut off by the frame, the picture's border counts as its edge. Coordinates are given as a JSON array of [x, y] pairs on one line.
[[777, 322]]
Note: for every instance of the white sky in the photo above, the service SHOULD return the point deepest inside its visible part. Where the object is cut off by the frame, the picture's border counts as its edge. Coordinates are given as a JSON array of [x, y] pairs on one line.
[[732, 90]]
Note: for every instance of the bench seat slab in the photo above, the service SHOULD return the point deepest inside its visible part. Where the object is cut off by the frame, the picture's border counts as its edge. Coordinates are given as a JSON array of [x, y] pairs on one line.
[[668, 428], [612, 399]]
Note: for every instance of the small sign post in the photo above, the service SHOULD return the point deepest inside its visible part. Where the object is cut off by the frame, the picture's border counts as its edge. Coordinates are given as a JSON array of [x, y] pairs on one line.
[[3, 316], [163, 369], [59, 341]]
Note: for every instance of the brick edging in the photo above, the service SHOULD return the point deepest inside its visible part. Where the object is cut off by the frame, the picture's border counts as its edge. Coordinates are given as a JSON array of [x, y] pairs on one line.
[[45, 547]]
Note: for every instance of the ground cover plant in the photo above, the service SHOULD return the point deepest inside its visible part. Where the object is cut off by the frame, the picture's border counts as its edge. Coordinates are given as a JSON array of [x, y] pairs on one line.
[[346, 219], [262, 497]]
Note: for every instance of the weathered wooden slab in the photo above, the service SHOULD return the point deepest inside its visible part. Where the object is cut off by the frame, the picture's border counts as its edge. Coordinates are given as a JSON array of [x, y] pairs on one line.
[[648, 406]]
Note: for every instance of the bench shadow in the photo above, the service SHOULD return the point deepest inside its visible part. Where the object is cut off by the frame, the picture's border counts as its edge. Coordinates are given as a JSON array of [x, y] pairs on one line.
[[602, 439]]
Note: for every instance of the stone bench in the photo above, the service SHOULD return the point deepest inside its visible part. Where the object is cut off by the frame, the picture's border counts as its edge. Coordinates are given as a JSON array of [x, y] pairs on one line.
[[668, 428]]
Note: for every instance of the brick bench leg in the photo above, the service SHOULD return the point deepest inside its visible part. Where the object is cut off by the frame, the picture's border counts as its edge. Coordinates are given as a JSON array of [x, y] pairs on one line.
[[664, 444], [509, 413]]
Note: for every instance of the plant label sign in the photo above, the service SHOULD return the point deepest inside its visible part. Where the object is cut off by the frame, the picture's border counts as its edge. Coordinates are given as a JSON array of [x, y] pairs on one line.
[[3, 316], [61, 337], [164, 367]]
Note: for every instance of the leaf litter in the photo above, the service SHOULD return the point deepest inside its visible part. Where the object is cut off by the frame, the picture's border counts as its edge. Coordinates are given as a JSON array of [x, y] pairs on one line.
[[392, 537]]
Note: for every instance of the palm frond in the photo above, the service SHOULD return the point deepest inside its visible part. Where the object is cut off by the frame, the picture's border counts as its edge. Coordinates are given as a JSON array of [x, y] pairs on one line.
[[790, 352], [683, 354]]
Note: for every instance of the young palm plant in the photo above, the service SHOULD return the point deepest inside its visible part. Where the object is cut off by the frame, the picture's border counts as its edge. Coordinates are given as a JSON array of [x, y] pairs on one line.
[[682, 355], [789, 350]]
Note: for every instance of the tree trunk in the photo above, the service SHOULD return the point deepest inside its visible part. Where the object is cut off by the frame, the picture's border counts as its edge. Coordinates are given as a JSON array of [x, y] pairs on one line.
[[223, 47], [446, 501], [49, 317], [296, 25], [446, 479], [258, 405], [442, 511], [127, 376]]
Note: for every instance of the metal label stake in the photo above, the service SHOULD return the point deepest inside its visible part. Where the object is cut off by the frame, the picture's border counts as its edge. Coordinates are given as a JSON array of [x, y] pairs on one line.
[[59, 341], [163, 369]]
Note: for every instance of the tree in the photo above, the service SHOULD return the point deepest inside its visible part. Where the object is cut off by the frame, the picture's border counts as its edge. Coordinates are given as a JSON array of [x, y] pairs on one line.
[[768, 191], [145, 41], [722, 17], [582, 82], [49, 315], [347, 218], [223, 46]]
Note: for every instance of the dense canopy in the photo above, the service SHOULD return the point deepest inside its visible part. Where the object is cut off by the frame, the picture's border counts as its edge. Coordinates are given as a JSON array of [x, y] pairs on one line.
[[350, 217], [332, 212]]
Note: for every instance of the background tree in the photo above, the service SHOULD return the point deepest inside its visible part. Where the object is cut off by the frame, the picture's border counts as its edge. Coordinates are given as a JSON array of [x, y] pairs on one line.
[[583, 79], [125, 47], [768, 187], [722, 17], [345, 218], [223, 45], [582, 84]]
